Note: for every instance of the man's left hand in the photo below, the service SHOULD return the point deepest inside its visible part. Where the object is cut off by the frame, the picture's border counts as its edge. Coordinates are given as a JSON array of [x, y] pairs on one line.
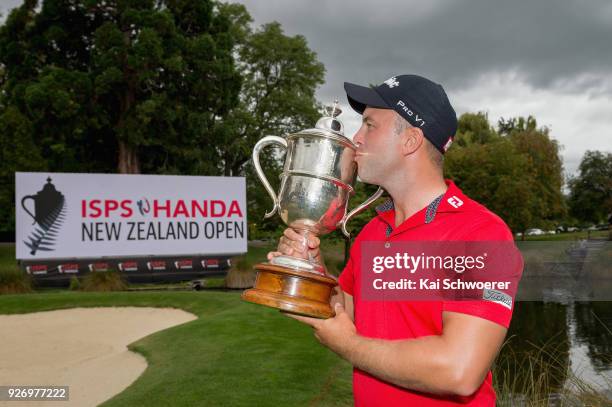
[[336, 333]]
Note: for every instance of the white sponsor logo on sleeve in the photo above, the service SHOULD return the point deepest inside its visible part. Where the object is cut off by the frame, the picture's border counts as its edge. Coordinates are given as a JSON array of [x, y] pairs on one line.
[[497, 296]]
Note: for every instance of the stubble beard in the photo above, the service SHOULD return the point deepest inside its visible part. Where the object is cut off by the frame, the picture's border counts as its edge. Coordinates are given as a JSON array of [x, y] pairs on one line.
[[367, 174]]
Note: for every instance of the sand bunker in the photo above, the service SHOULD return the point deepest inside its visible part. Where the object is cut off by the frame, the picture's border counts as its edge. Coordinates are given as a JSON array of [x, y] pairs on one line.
[[84, 348]]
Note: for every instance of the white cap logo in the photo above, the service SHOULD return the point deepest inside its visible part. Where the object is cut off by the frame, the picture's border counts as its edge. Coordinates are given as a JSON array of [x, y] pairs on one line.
[[391, 82]]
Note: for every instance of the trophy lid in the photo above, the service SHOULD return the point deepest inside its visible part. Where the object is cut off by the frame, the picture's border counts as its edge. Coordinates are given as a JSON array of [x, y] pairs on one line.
[[330, 122], [328, 127]]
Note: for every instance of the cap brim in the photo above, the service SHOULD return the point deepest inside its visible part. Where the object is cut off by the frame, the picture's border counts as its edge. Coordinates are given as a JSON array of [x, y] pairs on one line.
[[359, 97]]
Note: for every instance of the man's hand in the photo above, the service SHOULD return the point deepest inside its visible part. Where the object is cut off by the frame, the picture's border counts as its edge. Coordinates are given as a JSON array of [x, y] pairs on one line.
[[302, 245], [336, 333]]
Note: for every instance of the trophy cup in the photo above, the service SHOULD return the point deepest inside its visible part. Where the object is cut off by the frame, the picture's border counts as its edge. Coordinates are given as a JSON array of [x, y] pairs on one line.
[[317, 180]]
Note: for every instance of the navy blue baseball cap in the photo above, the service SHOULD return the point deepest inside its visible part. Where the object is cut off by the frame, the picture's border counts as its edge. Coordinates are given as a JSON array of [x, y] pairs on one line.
[[421, 102]]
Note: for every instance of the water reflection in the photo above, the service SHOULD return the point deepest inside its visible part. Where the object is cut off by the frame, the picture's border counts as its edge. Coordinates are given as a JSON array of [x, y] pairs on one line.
[[550, 341], [593, 323]]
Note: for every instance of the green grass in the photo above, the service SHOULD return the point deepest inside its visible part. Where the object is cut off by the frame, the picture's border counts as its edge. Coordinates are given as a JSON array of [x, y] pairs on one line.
[[240, 354], [234, 354]]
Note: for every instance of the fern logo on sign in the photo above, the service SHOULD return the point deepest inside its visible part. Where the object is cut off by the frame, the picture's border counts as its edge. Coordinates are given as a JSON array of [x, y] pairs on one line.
[[48, 212]]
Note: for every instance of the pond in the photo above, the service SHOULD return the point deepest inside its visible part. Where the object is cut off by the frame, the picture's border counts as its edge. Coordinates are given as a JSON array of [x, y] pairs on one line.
[[561, 342]]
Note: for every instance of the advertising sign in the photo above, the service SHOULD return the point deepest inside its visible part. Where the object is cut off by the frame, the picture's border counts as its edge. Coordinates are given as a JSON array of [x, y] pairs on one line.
[[60, 215]]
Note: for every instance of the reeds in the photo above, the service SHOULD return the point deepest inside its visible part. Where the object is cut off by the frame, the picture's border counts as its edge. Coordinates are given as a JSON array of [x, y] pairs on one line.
[[539, 376]]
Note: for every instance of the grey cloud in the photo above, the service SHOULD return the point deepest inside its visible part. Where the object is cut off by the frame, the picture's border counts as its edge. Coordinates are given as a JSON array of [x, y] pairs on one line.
[[553, 43], [544, 50], [556, 47], [453, 42]]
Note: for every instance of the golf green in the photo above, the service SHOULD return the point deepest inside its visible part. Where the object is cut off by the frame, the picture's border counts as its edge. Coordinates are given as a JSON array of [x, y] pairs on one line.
[[234, 354]]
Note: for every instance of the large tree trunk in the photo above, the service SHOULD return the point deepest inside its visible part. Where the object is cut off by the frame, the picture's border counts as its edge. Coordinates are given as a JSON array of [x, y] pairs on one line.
[[128, 155], [128, 159]]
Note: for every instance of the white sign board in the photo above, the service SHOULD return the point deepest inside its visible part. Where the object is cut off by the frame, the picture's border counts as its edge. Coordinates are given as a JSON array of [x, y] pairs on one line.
[[61, 215]]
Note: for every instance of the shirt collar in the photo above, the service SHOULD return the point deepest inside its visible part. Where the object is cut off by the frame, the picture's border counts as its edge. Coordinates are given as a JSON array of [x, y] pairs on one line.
[[454, 200], [386, 206]]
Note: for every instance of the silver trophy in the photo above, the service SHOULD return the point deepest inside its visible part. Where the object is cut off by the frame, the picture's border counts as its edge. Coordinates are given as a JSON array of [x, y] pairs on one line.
[[318, 178]]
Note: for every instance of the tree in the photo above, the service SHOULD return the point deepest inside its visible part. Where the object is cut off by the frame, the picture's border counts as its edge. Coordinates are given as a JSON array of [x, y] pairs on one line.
[[514, 124], [545, 166], [132, 85], [590, 197], [280, 75], [171, 86], [474, 128], [516, 174], [493, 174], [18, 151]]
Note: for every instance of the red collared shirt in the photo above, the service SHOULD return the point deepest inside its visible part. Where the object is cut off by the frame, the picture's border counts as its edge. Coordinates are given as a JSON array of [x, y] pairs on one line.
[[457, 218]]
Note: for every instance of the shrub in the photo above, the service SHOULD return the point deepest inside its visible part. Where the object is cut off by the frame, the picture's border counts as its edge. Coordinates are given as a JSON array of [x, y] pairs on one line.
[[110, 280], [240, 275], [75, 284], [14, 281]]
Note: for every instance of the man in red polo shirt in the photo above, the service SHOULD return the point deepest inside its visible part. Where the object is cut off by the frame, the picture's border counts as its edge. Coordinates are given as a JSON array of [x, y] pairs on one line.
[[412, 353]]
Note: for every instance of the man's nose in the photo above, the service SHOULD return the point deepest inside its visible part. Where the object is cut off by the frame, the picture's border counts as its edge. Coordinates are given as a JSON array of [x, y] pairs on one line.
[[358, 137]]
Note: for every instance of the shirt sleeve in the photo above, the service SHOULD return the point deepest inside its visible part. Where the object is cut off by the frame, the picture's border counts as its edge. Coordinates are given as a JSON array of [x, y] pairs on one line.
[[347, 278], [496, 306], [488, 310]]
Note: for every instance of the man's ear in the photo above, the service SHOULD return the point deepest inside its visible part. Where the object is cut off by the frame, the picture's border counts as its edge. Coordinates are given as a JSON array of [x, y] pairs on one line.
[[413, 139]]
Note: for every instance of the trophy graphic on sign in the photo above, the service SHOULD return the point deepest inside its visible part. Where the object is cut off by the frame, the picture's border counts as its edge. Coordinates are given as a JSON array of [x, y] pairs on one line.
[[317, 180], [49, 205]]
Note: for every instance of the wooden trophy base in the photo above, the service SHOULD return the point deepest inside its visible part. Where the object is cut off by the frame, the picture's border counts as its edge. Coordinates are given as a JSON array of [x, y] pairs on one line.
[[291, 290]]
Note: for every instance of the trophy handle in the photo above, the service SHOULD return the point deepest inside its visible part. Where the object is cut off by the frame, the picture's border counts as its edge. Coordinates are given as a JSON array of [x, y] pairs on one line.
[[358, 209], [267, 140]]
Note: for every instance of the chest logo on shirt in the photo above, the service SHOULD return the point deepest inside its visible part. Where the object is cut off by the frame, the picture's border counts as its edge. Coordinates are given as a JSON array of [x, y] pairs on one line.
[[454, 201]]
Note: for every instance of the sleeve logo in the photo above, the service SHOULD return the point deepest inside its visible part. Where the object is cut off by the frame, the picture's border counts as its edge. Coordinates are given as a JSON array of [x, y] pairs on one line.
[[499, 297]]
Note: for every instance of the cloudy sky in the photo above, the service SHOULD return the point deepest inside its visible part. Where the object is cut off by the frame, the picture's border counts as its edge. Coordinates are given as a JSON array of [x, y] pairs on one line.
[[548, 58]]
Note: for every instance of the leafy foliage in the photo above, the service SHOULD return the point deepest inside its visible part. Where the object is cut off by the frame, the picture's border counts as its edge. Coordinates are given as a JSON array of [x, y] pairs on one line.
[[171, 87], [591, 191], [516, 173], [545, 169]]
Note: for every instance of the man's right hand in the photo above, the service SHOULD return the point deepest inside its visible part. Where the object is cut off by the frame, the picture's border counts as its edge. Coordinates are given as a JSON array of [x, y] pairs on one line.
[[302, 245]]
